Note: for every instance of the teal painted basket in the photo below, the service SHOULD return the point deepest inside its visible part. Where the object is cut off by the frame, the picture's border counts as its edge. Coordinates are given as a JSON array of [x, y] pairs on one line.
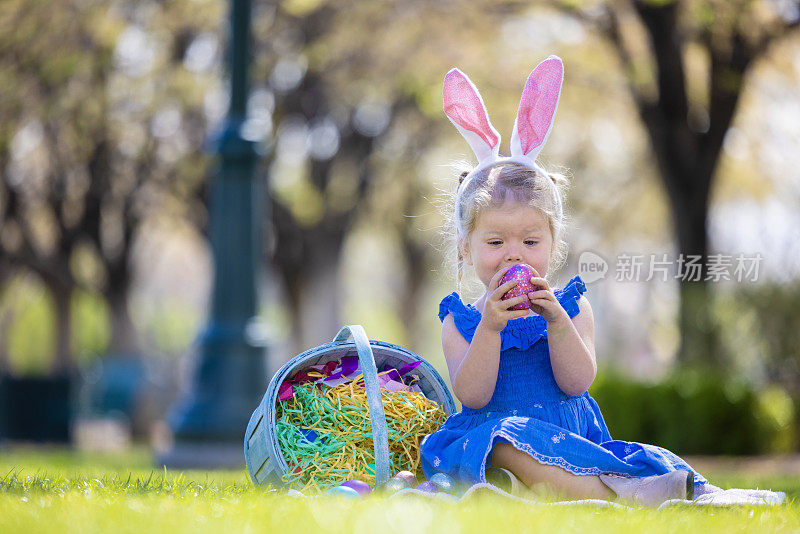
[[265, 463]]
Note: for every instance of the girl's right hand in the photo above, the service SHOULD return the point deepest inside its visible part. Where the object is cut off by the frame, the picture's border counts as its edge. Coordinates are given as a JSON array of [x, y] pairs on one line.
[[495, 310]]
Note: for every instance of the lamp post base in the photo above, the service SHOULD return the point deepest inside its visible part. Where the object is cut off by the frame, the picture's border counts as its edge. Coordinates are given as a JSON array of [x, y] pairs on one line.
[[208, 423]]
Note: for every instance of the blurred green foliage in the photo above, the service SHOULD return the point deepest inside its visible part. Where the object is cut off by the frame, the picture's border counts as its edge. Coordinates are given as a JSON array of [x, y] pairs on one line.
[[169, 329], [31, 335], [103, 121], [750, 407], [691, 412], [774, 310], [91, 332], [695, 412]]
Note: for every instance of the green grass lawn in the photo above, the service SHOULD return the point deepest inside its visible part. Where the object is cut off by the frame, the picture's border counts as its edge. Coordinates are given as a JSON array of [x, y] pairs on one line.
[[56, 491]]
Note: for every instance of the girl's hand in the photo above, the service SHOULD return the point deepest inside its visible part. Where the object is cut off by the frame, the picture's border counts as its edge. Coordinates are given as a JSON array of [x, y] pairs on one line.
[[495, 311], [545, 303]]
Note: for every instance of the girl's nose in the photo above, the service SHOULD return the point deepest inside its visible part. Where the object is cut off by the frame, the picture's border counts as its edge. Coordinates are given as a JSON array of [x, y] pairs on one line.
[[513, 255]]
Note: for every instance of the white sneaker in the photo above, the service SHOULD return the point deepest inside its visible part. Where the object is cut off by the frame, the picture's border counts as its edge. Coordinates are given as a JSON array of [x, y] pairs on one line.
[[652, 491]]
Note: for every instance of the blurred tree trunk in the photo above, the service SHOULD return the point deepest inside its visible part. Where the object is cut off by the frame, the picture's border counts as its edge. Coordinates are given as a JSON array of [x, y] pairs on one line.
[[6, 315], [687, 137], [63, 362], [308, 259], [98, 184], [415, 244], [351, 68], [50, 261], [686, 160], [306, 254], [308, 266], [416, 270], [51, 266], [124, 337]]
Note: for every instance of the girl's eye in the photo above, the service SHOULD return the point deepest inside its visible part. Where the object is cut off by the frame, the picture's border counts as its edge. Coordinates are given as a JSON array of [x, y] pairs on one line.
[[495, 242], [530, 242]]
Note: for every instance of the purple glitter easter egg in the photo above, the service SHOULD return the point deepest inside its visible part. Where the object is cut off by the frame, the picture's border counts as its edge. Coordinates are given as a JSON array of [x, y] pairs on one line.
[[522, 274], [360, 486], [430, 487]]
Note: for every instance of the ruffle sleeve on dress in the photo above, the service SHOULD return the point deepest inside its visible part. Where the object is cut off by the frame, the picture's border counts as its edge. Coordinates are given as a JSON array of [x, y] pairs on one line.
[[519, 333], [465, 316], [570, 294]]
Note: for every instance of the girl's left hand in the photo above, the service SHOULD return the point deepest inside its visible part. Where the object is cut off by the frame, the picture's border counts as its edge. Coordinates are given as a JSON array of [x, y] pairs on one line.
[[544, 303]]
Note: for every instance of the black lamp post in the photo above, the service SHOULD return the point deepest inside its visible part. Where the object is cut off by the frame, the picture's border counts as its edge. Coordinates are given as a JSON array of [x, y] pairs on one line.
[[230, 376]]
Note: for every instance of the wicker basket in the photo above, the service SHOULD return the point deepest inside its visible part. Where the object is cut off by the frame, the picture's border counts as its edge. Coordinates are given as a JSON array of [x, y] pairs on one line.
[[265, 463]]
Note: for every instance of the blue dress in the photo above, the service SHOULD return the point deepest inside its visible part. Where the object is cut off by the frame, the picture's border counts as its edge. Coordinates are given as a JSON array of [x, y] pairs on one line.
[[529, 410]]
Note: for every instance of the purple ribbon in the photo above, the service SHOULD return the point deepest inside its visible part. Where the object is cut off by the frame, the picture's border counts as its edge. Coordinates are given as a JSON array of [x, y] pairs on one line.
[[409, 367], [344, 372]]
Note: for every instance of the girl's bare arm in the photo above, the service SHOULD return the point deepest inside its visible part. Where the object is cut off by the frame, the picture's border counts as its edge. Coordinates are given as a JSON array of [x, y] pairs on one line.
[[473, 366], [572, 354]]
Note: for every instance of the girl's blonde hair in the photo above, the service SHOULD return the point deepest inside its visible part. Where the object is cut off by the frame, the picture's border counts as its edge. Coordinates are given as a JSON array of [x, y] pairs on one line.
[[493, 187]]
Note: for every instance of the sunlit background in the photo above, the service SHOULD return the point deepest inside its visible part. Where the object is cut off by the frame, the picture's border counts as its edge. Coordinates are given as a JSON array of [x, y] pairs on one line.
[[106, 106]]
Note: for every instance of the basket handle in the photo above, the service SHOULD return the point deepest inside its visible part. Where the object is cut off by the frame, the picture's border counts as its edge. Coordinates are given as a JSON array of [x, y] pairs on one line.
[[380, 433]]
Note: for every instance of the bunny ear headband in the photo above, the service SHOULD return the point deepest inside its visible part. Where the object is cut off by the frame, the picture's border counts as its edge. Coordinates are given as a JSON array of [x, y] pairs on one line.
[[464, 107]]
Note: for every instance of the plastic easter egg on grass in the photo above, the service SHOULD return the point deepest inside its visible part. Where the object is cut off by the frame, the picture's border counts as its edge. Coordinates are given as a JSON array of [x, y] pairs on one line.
[[344, 491], [360, 486], [444, 482], [428, 486], [522, 274], [408, 476], [393, 485]]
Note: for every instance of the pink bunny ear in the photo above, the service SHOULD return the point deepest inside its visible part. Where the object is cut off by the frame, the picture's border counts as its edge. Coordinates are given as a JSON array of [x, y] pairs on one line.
[[464, 107], [537, 108]]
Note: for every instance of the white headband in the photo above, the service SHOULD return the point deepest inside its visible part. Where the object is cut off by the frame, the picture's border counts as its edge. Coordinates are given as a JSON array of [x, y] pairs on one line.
[[464, 107]]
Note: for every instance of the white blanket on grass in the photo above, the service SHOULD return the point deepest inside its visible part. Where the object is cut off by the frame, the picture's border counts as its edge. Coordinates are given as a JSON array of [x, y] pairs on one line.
[[729, 497]]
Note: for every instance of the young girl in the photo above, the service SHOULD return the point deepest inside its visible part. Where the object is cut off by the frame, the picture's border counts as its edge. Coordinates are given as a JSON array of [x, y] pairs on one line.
[[522, 375]]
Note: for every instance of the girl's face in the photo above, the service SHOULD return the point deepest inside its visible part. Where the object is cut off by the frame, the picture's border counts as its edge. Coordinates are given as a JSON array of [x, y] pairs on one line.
[[512, 233]]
